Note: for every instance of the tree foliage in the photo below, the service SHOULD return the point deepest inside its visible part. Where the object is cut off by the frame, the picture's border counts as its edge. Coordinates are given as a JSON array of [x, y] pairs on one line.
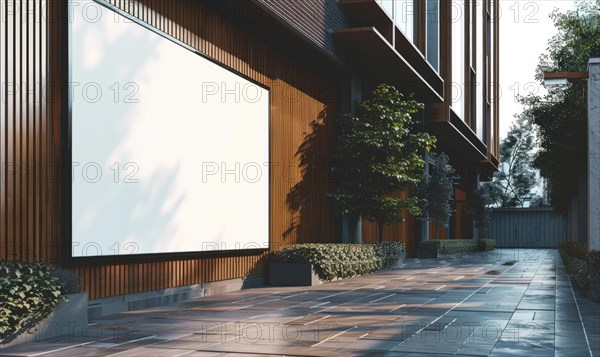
[[379, 153], [437, 190], [538, 201], [517, 177], [30, 292], [477, 206], [561, 114]]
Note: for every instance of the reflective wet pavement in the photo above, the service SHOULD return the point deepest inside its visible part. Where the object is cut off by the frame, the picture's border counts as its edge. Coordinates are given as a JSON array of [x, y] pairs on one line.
[[468, 305]]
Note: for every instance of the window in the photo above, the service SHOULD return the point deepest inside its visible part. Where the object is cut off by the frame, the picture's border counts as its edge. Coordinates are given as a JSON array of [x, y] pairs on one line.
[[492, 75], [405, 11], [472, 32], [488, 55], [432, 30], [457, 18], [480, 70], [474, 118], [388, 6]]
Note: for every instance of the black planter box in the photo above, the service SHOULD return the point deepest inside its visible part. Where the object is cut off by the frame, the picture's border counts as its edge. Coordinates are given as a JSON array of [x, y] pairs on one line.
[[594, 289], [292, 274], [427, 253]]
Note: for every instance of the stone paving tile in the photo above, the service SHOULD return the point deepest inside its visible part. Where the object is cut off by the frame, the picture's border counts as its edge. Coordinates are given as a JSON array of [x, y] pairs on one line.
[[570, 343], [358, 353], [153, 351], [506, 349], [526, 315], [419, 354], [81, 351], [450, 306], [482, 348], [190, 344], [374, 345], [218, 354], [270, 349], [32, 349]]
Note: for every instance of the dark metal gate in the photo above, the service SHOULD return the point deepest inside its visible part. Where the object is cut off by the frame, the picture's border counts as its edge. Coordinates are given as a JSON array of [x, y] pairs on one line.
[[527, 227]]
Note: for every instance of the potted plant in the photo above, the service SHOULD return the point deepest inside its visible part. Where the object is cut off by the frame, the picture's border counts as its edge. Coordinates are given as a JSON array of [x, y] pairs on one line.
[[594, 275], [42, 303]]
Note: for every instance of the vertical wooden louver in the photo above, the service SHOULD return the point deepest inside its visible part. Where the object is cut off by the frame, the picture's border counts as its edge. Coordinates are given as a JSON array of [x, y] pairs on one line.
[[29, 204], [30, 141]]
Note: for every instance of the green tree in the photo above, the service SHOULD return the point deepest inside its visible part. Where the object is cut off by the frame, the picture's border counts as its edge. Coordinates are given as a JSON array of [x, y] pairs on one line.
[[437, 191], [478, 204], [517, 177], [561, 114], [379, 153], [538, 201]]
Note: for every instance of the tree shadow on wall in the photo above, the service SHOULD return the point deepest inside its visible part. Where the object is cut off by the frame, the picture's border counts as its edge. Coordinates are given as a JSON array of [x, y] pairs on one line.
[[307, 201]]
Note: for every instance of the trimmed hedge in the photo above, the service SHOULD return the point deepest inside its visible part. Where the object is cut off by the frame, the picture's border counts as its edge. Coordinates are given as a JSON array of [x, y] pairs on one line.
[[338, 260], [69, 280], [581, 265], [29, 293], [454, 246], [486, 244]]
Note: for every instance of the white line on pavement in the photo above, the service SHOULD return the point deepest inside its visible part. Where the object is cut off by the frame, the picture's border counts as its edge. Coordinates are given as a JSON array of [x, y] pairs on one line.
[[398, 307], [319, 319], [385, 297], [334, 336]]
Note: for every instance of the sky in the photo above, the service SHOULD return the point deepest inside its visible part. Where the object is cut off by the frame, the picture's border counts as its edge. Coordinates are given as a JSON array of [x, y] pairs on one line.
[[524, 32]]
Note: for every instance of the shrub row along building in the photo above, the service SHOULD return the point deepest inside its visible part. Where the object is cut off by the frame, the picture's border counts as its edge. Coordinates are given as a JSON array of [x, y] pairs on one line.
[[155, 144]]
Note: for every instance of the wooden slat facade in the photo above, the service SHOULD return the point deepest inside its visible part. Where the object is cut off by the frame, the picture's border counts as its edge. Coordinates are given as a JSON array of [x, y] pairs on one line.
[[400, 232], [304, 103], [406, 233], [302, 109], [28, 135]]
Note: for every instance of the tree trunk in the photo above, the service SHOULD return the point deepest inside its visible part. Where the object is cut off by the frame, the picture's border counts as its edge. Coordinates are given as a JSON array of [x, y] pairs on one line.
[[425, 229], [351, 229], [380, 231]]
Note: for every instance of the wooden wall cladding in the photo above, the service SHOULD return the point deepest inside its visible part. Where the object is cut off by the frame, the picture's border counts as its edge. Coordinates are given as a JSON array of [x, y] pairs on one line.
[[302, 113], [406, 232], [29, 133], [460, 214], [398, 232]]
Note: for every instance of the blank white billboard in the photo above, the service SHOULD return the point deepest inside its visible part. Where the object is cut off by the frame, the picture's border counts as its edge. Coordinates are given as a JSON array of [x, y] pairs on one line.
[[170, 151]]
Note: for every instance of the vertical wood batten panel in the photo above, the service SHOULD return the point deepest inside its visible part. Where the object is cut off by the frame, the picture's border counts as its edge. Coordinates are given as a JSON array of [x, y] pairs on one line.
[[24, 162], [30, 204], [37, 123], [57, 139], [10, 133], [3, 132], [18, 133], [45, 213], [29, 162]]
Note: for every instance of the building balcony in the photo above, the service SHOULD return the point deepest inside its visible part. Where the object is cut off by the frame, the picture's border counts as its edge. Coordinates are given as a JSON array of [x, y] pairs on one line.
[[375, 44]]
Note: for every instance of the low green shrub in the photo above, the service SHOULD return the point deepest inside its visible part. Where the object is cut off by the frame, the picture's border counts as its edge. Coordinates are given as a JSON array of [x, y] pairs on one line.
[[28, 294], [581, 265], [430, 244], [484, 245], [594, 262], [337, 260], [69, 280], [454, 246], [573, 248]]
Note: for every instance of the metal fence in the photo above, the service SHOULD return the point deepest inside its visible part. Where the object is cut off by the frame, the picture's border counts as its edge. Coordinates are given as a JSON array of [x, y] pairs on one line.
[[527, 227]]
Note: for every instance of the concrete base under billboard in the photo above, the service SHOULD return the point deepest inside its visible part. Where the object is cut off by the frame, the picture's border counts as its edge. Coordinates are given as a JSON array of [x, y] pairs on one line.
[[132, 302]]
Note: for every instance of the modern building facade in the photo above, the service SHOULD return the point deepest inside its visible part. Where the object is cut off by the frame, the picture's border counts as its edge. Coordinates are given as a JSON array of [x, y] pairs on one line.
[[314, 58]]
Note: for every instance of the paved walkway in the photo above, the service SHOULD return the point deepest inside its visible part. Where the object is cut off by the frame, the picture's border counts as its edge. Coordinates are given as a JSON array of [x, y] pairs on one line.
[[470, 305]]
